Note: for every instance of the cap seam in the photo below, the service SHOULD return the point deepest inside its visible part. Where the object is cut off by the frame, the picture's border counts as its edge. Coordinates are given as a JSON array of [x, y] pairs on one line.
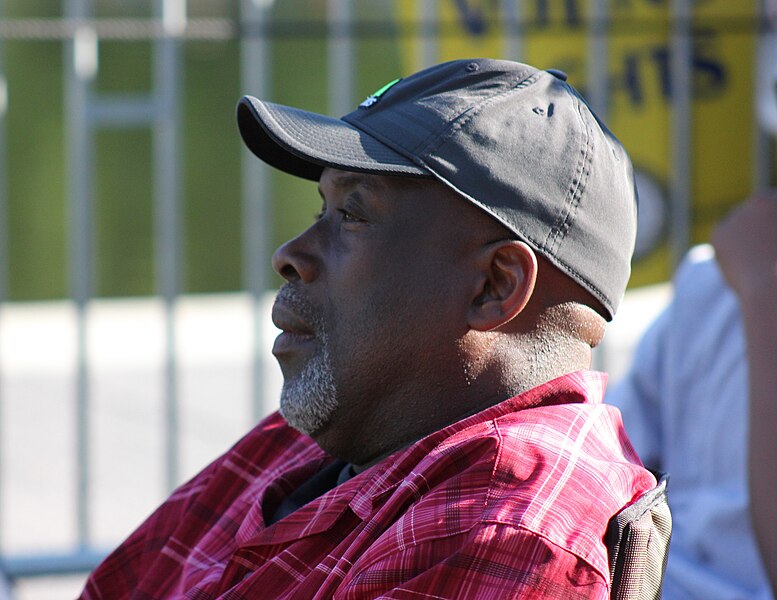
[[433, 141], [592, 288], [575, 190], [552, 245], [308, 154], [465, 117]]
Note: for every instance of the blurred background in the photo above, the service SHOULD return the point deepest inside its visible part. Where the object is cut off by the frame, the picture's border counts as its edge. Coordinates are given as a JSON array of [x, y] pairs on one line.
[[135, 231]]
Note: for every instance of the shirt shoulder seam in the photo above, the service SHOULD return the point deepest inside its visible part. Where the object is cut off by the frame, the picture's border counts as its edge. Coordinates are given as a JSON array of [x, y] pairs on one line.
[[482, 523]]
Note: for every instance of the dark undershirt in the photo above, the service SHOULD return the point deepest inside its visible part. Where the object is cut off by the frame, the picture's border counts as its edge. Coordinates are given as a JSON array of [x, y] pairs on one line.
[[326, 479]]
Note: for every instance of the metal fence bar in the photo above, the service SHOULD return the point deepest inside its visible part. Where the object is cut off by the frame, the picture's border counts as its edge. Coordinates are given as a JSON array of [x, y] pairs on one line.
[[53, 29], [48, 565], [254, 65], [512, 15], [340, 56], [428, 51], [763, 157], [598, 56], [4, 229], [762, 149], [226, 29], [598, 96], [81, 61], [167, 234], [4, 248], [681, 127], [122, 111]]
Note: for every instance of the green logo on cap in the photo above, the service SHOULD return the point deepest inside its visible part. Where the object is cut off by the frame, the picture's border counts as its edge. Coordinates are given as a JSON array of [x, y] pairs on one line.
[[371, 100]]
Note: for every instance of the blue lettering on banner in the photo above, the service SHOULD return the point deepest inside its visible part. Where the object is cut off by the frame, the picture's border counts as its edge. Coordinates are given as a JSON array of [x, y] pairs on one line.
[[709, 73], [472, 18], [571, 12]]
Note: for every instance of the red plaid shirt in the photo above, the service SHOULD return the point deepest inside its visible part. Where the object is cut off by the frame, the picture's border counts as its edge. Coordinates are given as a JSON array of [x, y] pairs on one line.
[[510, 502]]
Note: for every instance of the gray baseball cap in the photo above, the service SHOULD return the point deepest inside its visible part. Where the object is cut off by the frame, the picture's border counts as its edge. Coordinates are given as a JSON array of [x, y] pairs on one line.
[[516, 141]]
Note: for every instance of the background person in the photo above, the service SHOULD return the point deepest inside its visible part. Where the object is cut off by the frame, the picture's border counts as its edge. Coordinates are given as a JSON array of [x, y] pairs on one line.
[[686, 406]]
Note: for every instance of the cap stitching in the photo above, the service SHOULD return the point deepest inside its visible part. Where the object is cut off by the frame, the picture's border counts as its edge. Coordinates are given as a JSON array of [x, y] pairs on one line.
[[575, 194], [309, 155], [435, 139], [594, 289], [574, 204], [466, 116], [575, 191]]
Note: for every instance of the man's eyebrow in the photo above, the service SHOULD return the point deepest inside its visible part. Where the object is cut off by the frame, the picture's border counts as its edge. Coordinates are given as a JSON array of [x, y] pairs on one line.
[[349, 179]]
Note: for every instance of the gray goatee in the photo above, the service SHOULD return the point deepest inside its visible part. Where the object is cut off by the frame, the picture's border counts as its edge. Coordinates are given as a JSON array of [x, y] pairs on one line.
[[309, 399]]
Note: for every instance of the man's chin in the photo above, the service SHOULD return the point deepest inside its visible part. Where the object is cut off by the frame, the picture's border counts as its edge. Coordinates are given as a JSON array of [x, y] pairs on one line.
[[307, 409], [306, 425], [309, 396]]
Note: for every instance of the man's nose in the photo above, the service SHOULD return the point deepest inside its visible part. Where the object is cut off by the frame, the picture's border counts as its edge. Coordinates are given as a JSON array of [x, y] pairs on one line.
[[295, 260]]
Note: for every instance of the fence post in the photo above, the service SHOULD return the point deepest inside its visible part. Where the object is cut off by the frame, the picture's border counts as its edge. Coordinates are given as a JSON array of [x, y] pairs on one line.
[[512, 18], [681, 127], [167, 221], [257, 215], [598, 93], [81, 60]]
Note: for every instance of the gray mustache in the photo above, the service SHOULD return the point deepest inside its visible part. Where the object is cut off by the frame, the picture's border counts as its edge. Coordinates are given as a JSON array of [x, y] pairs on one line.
[[292, 297]]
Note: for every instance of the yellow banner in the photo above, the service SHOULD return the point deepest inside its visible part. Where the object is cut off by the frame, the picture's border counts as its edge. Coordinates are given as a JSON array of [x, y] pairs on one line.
[[554, 34]]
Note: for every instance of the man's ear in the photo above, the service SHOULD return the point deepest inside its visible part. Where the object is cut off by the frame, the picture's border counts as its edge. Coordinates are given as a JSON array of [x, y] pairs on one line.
[[508, 272]]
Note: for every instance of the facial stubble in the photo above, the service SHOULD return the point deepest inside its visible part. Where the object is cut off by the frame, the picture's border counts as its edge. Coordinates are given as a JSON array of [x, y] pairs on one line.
[[309, 398]]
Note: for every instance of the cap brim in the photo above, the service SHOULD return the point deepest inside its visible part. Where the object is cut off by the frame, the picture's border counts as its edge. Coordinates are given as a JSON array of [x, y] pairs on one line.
[[304, 143]]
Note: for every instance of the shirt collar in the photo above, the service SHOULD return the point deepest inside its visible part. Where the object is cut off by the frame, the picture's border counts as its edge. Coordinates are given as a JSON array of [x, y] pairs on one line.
[[364, 493]]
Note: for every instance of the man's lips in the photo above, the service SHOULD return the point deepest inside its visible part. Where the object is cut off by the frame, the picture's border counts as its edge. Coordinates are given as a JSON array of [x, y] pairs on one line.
[[295, 331]]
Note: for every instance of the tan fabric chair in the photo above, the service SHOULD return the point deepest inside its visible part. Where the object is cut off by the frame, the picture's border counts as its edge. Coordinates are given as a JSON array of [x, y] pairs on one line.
[[637, 540]]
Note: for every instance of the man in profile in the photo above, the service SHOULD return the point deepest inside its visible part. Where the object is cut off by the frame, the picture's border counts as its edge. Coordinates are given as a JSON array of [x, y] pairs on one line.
[[439, 434]]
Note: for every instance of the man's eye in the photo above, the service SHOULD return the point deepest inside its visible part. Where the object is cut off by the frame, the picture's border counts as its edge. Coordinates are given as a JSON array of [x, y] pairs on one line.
[[349, 217]]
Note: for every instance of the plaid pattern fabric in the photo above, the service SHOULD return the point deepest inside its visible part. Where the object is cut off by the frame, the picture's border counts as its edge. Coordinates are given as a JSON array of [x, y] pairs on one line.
[[510, 502]]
